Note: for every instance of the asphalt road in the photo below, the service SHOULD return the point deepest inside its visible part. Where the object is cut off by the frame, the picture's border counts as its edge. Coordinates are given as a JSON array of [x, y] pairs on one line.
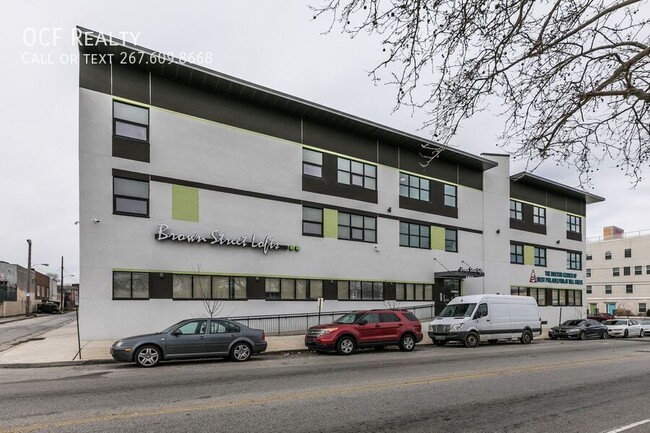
[[12, 333], [548, 386]]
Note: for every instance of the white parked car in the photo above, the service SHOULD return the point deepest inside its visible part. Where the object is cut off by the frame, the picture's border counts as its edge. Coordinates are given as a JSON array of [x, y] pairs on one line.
[[624, 328], [645, 324]]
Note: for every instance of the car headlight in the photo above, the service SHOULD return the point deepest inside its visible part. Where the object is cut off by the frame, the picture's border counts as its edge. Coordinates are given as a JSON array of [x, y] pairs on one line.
[[574, 330], [457, 327], [327, 330], [118, 343]]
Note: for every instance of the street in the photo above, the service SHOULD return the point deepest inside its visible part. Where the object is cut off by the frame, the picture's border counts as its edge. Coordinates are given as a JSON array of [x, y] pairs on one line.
[[548, 386], [13, 333]]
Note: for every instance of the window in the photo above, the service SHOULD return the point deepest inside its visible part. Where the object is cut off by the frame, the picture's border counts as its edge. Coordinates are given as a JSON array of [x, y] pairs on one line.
[[413, 292], [539, 215], [388, 318], [628, 252], [414, 235], [312, 163], [573, 223], [642, 307], [130, 197], [616, 272], [357, 173], [647, 269], [130, 121], [312, 221], [540, 256], [357, 227], [517, 254], [629, 288], [354, 290], [608, 255], [608, 289], [588, 289], [540, 295], [638, 270], [130, 285], [626, 270], [574, 261], [208, 287], [451, 240], [588, 272], [450, 195], [223, 327], [588, 256], [193, 327], [516, 210], [289, 288], [224, 287], [414, 187], [518, 291]]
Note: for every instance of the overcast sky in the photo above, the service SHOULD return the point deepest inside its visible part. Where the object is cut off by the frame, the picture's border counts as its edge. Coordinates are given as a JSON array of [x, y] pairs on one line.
[[271, 43]]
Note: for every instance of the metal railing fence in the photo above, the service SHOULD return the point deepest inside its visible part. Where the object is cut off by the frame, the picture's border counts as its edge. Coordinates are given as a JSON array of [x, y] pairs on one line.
[[300, 322]]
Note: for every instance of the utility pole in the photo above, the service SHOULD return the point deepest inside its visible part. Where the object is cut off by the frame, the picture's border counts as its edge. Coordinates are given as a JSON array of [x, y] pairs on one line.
[[29, 274], [62, 291]]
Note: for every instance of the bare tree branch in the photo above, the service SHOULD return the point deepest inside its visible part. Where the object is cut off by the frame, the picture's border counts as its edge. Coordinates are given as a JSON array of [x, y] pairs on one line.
[[573, 76]]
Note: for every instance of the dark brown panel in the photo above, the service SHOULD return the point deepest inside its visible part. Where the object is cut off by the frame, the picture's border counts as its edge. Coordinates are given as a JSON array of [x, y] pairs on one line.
[[212, 106], [130, 149], [520, 191], [131, 83], [339, 141], [435, 208], [328, 184], [574, 236], [556, 202], [469, 177], [576, 206], [160, 288], [390, 292], [94, 76], [330, 290], [388, 154], [437, 168], [255, 288]]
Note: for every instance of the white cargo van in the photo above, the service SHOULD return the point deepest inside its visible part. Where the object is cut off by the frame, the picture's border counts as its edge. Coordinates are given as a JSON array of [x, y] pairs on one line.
[[475, 318]]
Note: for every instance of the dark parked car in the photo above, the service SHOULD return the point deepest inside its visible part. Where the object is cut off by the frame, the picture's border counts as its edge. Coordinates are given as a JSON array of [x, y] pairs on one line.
[[601, 317], [580, 329], [191, 338], [48, 307], [368, 328]]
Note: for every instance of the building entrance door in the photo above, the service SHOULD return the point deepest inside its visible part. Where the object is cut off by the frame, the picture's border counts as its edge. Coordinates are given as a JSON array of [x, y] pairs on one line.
[[611, 308], [444, 290]]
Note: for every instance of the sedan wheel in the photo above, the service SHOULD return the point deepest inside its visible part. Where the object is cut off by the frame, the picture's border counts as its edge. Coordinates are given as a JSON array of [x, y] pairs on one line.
[[241, 352], [147, 356], [582, 335], [641, 334], [604, 335], [626, 333]]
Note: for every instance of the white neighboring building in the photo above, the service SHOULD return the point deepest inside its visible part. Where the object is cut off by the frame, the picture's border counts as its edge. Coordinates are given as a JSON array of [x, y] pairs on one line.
[[194, 185], [618, 271]]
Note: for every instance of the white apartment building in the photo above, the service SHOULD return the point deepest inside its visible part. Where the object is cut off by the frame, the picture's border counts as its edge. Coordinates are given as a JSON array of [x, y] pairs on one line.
[[618, 271]]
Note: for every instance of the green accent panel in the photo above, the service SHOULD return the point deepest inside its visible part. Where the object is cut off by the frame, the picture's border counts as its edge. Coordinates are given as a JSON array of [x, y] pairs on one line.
[[330, 223], [529, 255], [437, 238], [185, 203]]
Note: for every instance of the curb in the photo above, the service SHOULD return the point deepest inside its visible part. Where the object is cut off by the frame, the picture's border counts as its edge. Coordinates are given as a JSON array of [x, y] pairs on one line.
[[112, 361]]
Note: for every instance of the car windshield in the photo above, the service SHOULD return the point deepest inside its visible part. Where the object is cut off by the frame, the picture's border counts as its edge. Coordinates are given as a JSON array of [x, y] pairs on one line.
[[616, 322], [349, 318], [458, 310], [572, 323]]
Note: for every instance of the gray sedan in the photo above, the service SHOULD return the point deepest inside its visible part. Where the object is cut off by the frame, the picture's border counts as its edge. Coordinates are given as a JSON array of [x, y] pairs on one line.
[[191, 338]]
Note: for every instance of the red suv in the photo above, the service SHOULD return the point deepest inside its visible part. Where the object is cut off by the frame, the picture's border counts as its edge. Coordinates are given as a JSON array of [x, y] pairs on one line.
[[368, 328]]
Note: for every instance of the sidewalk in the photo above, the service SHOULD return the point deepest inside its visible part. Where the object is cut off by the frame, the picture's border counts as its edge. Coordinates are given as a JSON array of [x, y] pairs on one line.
[[60, 347]]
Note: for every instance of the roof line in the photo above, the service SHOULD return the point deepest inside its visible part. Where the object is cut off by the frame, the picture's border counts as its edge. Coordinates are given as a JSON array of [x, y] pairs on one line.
[[590, 198], [115, 41]]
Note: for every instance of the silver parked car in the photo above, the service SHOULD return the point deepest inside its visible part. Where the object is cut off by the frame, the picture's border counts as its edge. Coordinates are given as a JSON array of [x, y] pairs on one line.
[[624, 328], [191, 338], [645, 324]]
